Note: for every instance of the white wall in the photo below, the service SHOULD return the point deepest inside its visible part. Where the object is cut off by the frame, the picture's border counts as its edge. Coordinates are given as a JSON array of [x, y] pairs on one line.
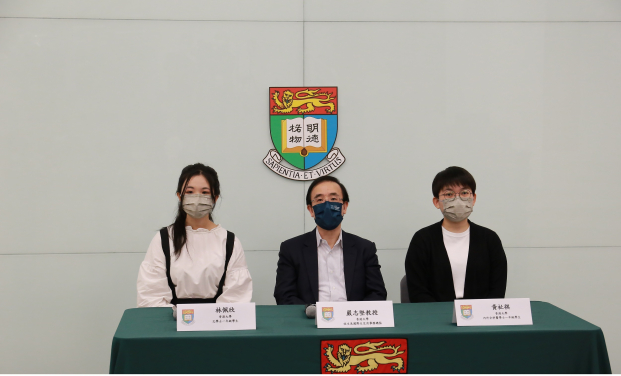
[[103, 102]]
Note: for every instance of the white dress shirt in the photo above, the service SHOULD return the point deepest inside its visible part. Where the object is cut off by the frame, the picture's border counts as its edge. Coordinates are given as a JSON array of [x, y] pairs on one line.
[[457, 246], [331, 270], [197, 271]]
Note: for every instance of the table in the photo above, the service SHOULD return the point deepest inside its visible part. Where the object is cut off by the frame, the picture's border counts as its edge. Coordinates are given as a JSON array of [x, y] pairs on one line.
[[285, 341]]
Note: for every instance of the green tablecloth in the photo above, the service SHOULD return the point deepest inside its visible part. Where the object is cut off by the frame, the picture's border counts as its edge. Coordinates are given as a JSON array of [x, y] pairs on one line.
[[285, 341]]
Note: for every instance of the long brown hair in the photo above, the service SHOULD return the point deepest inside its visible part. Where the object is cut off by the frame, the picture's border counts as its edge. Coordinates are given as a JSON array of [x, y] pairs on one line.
[[179, 234]]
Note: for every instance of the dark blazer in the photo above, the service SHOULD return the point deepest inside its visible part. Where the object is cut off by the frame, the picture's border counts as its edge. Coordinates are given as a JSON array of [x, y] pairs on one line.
[[297, 280], [429, 273]]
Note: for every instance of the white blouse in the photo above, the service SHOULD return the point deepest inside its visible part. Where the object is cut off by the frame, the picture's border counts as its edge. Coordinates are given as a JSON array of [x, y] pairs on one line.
[[197, 271]]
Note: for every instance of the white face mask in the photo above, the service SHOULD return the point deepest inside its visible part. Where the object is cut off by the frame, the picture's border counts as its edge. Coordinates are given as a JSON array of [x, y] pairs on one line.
[[197, 205], [457, 210]]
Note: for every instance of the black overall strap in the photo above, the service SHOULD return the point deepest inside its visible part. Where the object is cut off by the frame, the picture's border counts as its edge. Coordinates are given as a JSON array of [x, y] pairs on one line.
[[230, 241], [166, 249]]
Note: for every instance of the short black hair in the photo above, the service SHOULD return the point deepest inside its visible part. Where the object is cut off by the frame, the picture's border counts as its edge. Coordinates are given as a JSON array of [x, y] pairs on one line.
[[452, 176], [322, 180]]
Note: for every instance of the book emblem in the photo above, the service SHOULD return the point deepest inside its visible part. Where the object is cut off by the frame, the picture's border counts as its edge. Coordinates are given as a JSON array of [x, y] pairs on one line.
[[188, 316], [303, 127], [466, 311], [327, 313]]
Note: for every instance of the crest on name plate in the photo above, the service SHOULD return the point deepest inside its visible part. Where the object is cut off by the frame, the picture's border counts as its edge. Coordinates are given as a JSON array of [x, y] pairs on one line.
[[303, 128], [188, 316], [377, 355], [327, 313], [466, 311]]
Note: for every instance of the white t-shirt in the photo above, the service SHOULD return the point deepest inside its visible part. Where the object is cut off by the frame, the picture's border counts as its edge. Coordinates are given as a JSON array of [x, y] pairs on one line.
[[457, 246], [196, 272]]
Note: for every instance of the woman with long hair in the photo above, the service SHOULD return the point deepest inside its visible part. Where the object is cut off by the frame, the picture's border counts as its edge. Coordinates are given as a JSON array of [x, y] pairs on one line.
[[194, 260]]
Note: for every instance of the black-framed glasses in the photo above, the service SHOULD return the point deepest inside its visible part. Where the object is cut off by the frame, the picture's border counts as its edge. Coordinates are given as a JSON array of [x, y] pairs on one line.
[[450, 195], [321, 200]]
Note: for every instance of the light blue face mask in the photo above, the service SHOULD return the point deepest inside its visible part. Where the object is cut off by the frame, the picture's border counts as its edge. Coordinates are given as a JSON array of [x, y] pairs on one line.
[[328, 215]]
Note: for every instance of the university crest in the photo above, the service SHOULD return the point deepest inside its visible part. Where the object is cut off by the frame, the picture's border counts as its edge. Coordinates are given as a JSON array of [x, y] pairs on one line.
[[466, 311], [364, 356], [188, 316], [303, 128], [327, 313]]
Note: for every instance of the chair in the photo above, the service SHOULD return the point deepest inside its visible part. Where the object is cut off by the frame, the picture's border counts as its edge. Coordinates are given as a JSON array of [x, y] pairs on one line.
[[405, 298]]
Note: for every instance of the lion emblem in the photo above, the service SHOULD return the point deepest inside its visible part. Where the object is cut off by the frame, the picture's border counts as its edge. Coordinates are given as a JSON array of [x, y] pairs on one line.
[[373, 355], [310, 98]]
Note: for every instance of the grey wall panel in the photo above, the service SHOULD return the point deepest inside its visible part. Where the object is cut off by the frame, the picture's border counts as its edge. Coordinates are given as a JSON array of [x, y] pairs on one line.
[[230, 10], [65, 308], [262, 266], [583, 281], [393, 269], [462, 11], [321, 10], [99, 118], [60, 312], [527, 108]]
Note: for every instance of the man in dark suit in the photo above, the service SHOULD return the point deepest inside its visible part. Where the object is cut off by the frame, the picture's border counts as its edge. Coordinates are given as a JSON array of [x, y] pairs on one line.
[[327, 264]]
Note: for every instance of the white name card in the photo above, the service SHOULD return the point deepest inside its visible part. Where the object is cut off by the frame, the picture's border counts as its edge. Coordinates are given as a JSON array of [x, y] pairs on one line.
[[216, 316], [372, 314], [492, 312]]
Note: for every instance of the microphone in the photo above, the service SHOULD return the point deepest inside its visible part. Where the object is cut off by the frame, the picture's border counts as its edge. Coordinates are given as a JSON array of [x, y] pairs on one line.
[[311, 311]]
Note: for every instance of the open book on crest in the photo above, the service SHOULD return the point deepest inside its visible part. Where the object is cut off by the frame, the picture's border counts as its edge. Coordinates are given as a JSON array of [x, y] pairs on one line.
[[304, 135]]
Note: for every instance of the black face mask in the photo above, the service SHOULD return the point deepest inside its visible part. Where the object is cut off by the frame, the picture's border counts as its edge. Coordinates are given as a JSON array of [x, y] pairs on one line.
[[328, 214]]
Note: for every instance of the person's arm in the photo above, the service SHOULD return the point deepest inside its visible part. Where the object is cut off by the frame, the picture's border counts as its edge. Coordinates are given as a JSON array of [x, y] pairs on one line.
[[285, 290], [152, 285], [238, 282], [417, 270], [498, 268], [374, 289]]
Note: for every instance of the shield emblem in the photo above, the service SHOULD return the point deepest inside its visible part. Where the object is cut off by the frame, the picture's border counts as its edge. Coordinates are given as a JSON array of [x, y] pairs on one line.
[[303, 123], [327, 313], [188, 316], [466, 311]]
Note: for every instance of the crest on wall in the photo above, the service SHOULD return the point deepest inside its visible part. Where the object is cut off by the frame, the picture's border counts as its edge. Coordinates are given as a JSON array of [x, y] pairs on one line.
[[303, 128]]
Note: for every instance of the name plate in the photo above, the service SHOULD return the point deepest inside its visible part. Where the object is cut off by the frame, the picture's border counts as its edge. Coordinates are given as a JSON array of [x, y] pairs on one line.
[[216, 316], [492, 312], [373, 314]]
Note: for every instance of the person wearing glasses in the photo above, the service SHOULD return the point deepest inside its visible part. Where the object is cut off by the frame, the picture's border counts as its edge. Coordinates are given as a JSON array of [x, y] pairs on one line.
[[327, 264], [455, 258]]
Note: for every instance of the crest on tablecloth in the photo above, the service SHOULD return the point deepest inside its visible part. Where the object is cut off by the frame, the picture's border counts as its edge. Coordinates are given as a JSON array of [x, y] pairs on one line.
[[378, 355]]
